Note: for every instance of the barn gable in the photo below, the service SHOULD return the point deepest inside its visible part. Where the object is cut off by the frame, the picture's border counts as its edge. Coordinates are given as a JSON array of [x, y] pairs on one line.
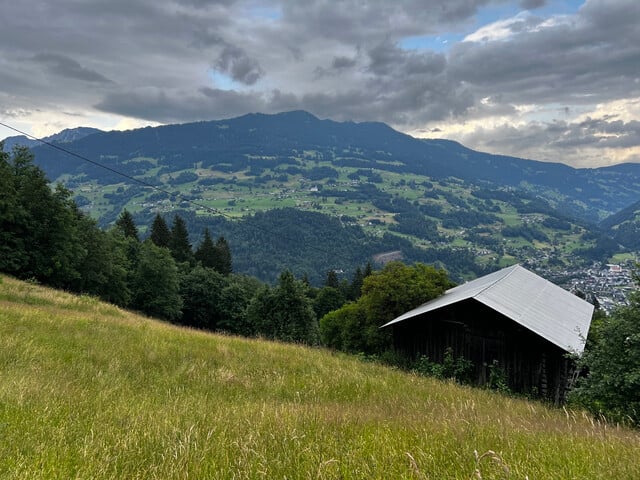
[[526, 298], [512, 320]]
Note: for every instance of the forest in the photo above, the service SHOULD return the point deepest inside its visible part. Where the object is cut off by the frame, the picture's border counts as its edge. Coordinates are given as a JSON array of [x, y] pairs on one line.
[[45, 238]]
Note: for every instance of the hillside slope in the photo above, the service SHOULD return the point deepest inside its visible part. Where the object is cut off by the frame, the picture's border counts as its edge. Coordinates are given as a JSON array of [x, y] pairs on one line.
[[365, 187], [91, 391], [289, 138]]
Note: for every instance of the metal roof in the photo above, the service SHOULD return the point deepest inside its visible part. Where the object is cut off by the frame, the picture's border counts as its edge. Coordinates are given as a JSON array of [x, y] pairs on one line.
[[526, 298]]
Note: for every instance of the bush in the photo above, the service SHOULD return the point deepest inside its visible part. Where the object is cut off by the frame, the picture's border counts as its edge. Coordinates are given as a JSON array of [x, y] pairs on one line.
[[612, 364]]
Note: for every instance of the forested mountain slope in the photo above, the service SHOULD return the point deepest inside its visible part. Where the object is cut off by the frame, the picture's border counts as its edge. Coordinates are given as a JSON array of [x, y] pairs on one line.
[[359, 190]]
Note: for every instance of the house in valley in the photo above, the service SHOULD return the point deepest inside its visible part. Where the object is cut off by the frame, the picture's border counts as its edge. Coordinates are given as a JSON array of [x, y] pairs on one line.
[[512, 320]]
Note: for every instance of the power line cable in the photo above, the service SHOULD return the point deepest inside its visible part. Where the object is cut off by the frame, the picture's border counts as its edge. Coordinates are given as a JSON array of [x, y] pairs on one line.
[[156, 188]]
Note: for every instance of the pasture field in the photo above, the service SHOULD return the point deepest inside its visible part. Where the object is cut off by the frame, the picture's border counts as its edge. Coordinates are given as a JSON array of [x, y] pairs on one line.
[[88, 390]]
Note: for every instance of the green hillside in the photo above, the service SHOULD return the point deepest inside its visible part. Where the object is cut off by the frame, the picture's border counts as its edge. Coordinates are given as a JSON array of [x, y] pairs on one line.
[[429, 200], [91, 391]]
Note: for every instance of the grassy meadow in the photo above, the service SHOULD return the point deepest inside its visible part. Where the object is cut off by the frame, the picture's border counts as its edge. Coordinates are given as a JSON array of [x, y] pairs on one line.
[[91, 391]]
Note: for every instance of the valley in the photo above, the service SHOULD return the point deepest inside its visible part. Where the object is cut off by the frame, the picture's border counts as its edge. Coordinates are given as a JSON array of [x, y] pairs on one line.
[[433, 201]]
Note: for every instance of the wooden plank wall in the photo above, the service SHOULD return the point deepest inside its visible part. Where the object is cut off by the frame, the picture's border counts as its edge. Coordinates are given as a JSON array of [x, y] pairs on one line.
[[531, 364]]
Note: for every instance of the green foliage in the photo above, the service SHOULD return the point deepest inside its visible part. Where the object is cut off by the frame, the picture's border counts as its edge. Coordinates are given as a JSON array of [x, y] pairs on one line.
[[348, 329], [126, 224], [399, 288], [105, 270], [201, 290], [457, 368], [611, 359], [235, 298], [160, 233], [206, 251], [327, 300], [39, 228], [179, 243], [284, 312], [222, 256], [498, 379], [155, 283], [385, 295]]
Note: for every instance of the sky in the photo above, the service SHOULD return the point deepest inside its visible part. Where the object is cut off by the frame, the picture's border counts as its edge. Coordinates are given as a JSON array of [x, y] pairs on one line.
[[550, 80]]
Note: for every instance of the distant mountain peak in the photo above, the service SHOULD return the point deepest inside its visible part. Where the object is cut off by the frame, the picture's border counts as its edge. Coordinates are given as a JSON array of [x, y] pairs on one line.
[[71, 134], [67, 135]]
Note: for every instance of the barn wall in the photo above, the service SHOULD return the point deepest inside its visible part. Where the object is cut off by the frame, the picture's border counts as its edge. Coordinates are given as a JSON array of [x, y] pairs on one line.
[[475, 332]]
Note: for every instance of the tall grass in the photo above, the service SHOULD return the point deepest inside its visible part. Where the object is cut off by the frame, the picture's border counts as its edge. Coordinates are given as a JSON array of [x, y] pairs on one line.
[[91, 391]]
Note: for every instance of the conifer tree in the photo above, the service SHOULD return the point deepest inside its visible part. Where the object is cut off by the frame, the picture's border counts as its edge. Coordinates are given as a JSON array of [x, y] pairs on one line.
[[206, 252], [355, 288], [332, 279], [40, 237], [179, 244], [160, 233], [126, 224], [223, 257]]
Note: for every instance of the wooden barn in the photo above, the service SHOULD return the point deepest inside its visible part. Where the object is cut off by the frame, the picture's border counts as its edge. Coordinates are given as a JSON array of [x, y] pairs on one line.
[[512, 321]]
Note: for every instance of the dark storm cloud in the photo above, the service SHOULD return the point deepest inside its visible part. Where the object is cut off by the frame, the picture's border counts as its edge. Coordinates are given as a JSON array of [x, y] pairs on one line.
[[68, 67], [352, 21], [598, 133], [389, 59], [339, 63], [235, 62], [170, 107]]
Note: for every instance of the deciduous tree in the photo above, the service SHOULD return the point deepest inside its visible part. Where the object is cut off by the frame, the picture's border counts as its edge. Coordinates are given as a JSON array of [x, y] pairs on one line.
[[155, 283], [284, 312], [385, 295]]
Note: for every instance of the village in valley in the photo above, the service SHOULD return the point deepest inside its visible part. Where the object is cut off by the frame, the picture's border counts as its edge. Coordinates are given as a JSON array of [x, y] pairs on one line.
[[605, 284]]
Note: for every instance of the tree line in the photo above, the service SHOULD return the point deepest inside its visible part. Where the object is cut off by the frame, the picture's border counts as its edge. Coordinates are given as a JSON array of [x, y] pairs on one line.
[[45, 238]]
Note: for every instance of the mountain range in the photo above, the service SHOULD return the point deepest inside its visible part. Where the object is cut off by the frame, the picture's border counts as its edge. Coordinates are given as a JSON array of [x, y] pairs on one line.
[[386, 191]]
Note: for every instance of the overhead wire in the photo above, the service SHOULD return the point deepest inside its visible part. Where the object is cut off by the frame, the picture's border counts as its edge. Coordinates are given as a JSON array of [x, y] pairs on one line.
[[155, 187]]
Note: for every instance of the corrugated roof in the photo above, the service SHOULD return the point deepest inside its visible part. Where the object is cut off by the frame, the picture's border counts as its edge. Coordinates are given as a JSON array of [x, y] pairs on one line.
[[535, 303]]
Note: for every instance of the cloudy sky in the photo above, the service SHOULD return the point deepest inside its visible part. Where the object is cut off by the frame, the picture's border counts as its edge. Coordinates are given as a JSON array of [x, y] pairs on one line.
[[554, 80]]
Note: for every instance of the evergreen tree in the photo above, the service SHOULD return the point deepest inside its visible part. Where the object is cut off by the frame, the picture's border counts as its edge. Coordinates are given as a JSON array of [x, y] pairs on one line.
[[160, 233], [206, 252], [327, 300], [355, 289], [39, 226], [12, 250], [223, 257], [332, 280], [368, 270], [126, 224], [179, 244]]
